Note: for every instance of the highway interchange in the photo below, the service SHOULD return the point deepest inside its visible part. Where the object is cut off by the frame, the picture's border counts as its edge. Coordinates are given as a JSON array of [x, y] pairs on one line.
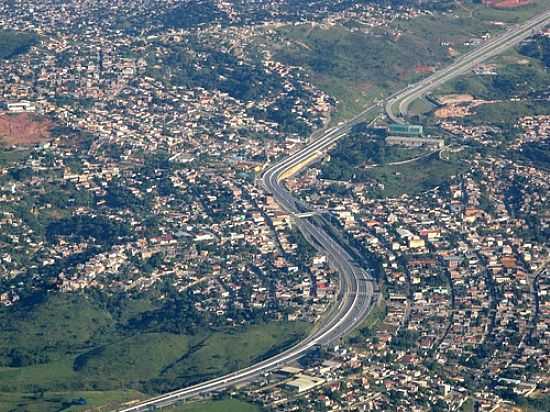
[[357, 288]]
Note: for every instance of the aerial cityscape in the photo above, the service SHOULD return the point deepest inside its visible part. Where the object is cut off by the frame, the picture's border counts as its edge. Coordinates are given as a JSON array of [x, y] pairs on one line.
[[274, 205]]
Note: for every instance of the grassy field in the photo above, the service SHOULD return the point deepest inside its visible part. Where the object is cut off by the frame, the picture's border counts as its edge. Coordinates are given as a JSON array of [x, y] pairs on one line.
[[421, 106], [224, 352], [508, 112], [67, 347], [398, 154], [466, 22], [350, 99], [226, 405], [468, 405], [59, 326], [376, 316], [370, 324], [443, 32], [139, 358], [66, 401], [353, 67], [351, 155], [415, 177]]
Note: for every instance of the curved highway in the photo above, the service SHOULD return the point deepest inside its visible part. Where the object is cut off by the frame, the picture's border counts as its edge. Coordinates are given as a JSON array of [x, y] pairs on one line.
[[356, 286], [355, 295], [464, 63]]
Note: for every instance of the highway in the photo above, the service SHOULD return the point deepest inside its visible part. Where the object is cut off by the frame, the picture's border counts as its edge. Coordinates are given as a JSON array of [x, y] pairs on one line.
[[464, 63], [357, 289]]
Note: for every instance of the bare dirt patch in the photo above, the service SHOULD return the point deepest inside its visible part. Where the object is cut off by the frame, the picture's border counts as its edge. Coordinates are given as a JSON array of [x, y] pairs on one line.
[[452, 52], [24, 129], [461, 109], [506, 4], [452, 110], [523, 62]]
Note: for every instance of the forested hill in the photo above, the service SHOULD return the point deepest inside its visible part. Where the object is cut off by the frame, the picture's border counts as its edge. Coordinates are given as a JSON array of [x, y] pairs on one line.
[[13, 43]]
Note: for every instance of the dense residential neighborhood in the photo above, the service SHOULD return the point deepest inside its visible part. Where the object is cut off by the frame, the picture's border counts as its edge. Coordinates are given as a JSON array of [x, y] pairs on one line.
[[133, 138]]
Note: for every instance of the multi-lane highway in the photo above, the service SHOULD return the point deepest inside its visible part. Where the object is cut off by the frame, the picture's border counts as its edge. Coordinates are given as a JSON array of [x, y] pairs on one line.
[[356, 286], [464, 63]]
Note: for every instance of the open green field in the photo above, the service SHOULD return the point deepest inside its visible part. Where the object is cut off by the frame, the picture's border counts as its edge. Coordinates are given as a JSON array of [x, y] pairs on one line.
[[71, 401], [223, 352], [355, 155], [466, 22], [416, 177], [421, 106], [226, 405], [446, 31], [353, 67], [68, 347], [370, 324], [344, 166], [468, 405], [137, 358], [507, 113]]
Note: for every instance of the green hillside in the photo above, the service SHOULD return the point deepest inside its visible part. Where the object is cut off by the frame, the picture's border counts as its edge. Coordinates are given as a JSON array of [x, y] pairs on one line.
[[14, 43]]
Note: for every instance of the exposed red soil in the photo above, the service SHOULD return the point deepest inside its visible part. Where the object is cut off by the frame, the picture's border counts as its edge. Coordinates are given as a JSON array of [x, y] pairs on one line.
[[506, 4], [424, 69], [24, 129]]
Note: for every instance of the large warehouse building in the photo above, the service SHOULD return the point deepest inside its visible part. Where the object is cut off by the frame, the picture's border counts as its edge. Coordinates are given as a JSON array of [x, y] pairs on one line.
[[409, 130]]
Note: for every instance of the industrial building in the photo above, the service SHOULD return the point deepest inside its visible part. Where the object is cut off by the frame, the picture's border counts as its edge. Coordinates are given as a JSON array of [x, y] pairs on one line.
[[20, 107], [415, 142], [303, 383], [409, 130]]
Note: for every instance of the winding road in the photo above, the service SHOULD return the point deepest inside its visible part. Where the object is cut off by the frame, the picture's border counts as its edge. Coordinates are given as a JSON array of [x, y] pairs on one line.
[[357, 288], [489, 49]]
